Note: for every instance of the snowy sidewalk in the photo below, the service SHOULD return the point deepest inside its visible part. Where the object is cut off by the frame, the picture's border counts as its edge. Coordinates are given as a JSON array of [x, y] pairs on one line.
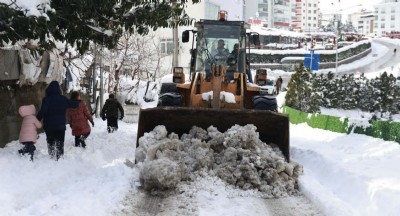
[[347, 174]]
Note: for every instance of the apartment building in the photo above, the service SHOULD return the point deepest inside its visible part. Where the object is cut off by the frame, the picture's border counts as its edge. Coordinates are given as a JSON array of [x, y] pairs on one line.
[[310, 15], [297, 15], [363, 21], [387, 17]]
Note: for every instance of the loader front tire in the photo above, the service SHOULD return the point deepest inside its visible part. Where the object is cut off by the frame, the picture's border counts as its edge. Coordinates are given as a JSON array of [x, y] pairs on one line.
[[169, 95], [170, 99], [168, 88], [262, 102]]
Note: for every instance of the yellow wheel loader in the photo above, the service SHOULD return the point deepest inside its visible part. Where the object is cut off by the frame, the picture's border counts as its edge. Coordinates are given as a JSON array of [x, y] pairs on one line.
[[218, 93]]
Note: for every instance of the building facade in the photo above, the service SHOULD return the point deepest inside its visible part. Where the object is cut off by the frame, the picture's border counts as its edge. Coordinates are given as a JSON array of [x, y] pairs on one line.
[[309, 15], [363, 21], [296, 15], [387, 17]]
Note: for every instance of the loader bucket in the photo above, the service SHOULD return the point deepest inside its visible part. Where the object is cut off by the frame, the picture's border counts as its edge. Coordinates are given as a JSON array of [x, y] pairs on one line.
[[272, 127]]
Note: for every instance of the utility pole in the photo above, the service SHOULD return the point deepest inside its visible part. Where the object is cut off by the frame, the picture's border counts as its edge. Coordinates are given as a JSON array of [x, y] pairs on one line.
[[94, 75], [175, 60], [101, 76], [244, 10]]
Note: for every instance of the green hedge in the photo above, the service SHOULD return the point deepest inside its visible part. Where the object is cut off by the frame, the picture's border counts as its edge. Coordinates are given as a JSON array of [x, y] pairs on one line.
[[321, 121], [386, 130]]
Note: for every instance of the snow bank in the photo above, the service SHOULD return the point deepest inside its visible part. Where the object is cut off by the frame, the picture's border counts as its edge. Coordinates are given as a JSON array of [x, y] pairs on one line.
[[237, 156]]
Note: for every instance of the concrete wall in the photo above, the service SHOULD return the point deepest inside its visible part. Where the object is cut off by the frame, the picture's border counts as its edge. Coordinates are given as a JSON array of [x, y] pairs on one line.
[[321, 65]]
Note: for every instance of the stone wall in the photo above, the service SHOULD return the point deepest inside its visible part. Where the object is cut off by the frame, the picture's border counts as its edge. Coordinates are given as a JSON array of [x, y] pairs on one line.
[[12, 96]]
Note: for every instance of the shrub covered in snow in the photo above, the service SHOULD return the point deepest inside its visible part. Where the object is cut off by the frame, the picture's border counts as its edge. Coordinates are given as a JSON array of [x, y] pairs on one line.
[[237, 156]]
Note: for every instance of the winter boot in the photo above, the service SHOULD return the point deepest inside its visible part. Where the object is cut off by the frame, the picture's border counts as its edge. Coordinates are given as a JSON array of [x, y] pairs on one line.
[[24, 150], [59, 149], [51, 149], [31, 150], [77, 141], [21, 151], [82, 141]]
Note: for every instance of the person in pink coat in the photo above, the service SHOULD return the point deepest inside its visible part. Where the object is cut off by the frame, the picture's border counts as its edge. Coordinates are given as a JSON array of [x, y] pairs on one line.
[[28, 133]]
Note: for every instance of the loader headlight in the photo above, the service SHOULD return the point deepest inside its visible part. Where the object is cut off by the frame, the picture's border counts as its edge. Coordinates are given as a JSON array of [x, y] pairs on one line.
[[178, 69]]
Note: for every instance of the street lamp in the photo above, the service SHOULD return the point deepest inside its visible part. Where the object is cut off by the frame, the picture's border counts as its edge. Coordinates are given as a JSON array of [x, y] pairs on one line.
[[336, 44], [337, 30]]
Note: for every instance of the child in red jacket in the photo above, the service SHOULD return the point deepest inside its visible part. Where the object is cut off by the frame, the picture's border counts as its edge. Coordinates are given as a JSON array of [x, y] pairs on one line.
[[78, 120], [28, 133]]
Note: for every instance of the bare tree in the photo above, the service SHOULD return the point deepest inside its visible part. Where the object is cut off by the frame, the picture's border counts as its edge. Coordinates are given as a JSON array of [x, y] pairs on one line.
[[136, 56]]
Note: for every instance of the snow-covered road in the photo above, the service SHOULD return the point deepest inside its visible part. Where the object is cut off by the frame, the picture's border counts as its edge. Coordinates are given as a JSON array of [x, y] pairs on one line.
[[211, 197], [343, 175]]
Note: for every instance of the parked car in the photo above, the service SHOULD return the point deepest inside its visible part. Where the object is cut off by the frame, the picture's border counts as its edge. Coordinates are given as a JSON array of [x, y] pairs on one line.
[[398, 81], [269, 87]]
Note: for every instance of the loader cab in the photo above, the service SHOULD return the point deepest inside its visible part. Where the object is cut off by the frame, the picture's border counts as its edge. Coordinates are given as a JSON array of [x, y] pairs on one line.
[[220, 43]]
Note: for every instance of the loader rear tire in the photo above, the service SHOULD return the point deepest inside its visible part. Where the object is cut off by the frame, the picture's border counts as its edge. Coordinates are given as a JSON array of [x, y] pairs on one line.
[[265, 103], [170, 99], [168, 88]]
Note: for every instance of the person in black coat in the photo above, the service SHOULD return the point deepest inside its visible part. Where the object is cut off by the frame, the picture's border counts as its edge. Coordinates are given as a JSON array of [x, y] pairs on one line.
[[110, 112], [53, 113]]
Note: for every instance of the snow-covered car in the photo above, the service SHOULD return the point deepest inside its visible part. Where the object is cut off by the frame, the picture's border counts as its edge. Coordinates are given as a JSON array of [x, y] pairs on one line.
[[269, 87]]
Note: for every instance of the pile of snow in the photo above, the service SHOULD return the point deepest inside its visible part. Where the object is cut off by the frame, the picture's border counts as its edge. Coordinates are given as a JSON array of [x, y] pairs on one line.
[[237, 156], [227, 97]]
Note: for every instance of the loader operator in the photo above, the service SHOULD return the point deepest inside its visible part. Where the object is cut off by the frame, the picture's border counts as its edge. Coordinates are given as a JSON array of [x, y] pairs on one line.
[[221, 53]]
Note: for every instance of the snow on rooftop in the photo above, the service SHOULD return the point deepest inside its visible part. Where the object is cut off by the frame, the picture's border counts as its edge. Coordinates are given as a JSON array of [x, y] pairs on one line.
[[275, 32]]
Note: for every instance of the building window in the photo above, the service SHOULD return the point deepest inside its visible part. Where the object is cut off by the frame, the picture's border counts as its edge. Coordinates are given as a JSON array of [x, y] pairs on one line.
[[383, 11], [392, 17], [315, 25], [167, 46], [382, 25], [315, 18]]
